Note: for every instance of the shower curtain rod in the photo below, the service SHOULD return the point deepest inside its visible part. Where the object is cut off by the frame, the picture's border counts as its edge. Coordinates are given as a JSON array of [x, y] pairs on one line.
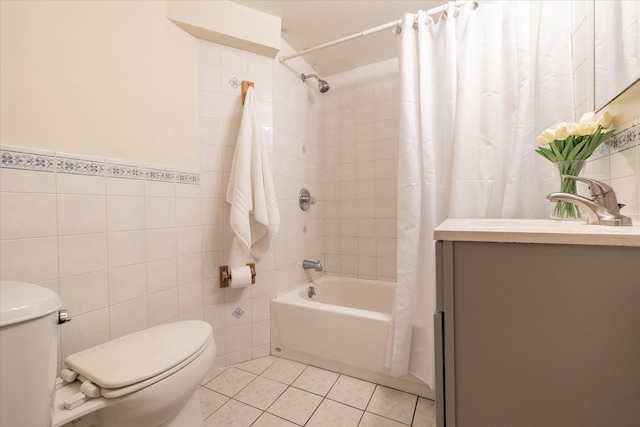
[[364, 33]]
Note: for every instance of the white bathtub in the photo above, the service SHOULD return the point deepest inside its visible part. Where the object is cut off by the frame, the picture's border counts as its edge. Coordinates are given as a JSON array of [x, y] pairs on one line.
[[343, 328]]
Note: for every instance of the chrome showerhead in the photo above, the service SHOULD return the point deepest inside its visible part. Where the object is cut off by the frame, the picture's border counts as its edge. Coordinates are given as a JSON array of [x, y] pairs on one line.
[[323, 86]]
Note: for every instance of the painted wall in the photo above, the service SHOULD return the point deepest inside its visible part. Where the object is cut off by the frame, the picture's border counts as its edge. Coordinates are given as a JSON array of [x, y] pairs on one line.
[[108, 79]]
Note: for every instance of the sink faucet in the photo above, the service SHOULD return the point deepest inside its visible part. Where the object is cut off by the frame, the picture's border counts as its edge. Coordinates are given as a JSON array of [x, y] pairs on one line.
[[306, 264], [602, 209]]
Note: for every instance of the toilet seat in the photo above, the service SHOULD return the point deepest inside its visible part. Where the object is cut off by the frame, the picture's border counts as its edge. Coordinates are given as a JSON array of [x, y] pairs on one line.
[[132, 362]]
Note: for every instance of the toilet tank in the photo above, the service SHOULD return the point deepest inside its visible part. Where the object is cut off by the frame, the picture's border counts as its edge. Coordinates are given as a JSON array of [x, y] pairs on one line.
[[28, 353]]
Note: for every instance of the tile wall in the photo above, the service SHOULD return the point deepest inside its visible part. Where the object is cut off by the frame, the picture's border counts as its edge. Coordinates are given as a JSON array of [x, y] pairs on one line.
[[119, 242], [288, 113], [298, 164], [245, 335], [360, 121], [617, 162]]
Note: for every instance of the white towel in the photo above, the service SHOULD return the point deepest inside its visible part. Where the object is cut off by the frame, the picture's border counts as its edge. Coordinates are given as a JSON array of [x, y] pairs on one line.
[[251, 193]]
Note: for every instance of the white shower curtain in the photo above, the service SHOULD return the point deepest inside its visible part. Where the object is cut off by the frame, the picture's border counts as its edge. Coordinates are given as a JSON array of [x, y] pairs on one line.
[[476, 89]]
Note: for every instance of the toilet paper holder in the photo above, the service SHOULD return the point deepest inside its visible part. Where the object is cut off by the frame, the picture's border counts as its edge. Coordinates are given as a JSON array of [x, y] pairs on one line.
[[225, 275]]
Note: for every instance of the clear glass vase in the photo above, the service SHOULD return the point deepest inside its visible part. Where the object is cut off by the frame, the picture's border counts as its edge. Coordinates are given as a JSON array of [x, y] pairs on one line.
[[566, 210]]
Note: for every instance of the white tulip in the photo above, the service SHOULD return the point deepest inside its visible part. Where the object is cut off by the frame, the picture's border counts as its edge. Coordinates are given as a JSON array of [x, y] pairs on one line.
[[587, 117], [572, 128], [605, 121], [561, 131], [587, 128], [547, 137]]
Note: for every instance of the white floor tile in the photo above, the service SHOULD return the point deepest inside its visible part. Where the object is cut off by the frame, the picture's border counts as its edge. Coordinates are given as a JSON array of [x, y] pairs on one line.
[[332, 413], [257, 366], [214, 372], [316, 380], [231, 381], [284, 371], [394, 404], [210, 401], [268, 420], [233, 414], [352, 391], [425, 413], [261, 393], [372, 420], [295, 405]]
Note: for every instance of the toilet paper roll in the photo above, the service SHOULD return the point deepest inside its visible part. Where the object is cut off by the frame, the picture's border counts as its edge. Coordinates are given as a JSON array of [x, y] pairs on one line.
[[240, 277]]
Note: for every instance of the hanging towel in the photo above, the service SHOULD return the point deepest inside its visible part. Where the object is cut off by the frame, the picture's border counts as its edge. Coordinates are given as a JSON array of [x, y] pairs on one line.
[[251, 193]]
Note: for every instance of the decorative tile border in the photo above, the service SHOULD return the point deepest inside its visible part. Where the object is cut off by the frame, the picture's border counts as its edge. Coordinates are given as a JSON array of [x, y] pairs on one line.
[[13, 159], [624, 139], [125, 171], [79, 166], [27, 161]]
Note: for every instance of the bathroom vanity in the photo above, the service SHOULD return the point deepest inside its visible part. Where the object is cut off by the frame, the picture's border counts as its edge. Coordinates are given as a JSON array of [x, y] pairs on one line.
[[537, 324]]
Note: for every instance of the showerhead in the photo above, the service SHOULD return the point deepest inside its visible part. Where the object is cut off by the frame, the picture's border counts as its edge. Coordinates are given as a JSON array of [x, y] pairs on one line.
[[323, 86]]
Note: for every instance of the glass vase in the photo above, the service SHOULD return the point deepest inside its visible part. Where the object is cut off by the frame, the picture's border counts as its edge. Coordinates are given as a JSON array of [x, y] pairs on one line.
[[567, 210]]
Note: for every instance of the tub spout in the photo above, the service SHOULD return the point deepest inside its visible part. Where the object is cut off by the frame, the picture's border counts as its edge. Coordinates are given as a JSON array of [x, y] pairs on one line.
[[315, 265]]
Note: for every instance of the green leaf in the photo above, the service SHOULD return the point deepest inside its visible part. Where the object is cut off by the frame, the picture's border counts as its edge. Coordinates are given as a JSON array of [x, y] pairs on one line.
[[574, 152], [567, 147], [556, 151], [546, 153]]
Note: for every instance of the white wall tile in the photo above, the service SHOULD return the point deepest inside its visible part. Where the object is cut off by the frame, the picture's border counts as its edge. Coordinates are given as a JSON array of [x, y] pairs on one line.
[[189, 297], [80, 184], [125, 187], [214, 315], [189, 268], [161, 244], [128, 317], [23, 181], [85, 331], [162, 306], [189, 240], [125, 213], [84, 293], [260, 333], [83, 253], [127, 248], [238, 338], [161, 275], [160, 212], [27, 215], [29, 260], [188, 211], [80, 214], [127, 283]]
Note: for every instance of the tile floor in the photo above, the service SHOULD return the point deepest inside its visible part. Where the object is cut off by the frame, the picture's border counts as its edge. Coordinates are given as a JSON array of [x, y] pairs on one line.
[[274, 392]]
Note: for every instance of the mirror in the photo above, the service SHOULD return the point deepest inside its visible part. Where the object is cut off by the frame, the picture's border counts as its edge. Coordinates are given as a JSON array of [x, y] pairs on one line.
[[616, 48]]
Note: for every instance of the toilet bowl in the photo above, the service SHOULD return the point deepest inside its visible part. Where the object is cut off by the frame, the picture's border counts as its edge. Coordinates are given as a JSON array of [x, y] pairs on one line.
[[148, 378]]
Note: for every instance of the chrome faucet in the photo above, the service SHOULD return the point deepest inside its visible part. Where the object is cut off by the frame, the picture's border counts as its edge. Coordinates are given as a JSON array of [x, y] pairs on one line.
[[602, 209], [307, 265]]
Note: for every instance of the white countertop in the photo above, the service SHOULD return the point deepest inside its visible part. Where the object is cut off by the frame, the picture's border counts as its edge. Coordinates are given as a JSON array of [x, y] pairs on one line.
[[538, 231]]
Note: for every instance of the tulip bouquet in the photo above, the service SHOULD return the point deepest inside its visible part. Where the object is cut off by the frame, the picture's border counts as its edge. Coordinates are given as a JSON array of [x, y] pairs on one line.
[[570, 145]]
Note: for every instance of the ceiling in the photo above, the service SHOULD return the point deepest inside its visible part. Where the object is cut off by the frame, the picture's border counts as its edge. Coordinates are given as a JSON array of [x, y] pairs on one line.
[[309, 23]]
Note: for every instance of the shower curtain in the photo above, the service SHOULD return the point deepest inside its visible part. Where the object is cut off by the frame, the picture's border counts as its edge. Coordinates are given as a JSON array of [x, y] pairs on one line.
[[477, 87]]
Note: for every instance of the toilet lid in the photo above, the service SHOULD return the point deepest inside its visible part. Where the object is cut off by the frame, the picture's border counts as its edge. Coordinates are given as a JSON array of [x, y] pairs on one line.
[[142, 355]]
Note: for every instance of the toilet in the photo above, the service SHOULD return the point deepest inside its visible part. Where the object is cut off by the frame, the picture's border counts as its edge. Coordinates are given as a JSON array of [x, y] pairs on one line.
[[145, 379]]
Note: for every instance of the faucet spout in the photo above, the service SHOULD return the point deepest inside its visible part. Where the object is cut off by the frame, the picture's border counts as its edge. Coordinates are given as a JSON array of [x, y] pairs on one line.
[[589, 206], [312, 265], [597, 213]]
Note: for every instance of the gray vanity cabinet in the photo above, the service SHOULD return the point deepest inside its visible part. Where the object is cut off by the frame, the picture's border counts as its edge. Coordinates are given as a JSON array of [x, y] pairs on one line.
[[540, 335]]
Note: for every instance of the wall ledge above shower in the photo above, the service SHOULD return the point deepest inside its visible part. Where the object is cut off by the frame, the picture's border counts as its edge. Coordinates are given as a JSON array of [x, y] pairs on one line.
[[229, 24]]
